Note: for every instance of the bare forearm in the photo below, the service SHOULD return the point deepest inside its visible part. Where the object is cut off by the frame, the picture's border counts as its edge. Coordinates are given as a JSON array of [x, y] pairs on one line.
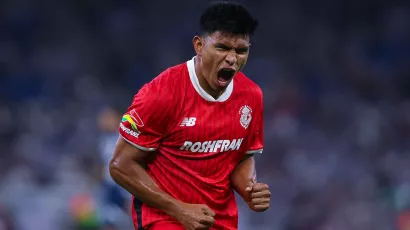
[[243, 174], [135, 180]]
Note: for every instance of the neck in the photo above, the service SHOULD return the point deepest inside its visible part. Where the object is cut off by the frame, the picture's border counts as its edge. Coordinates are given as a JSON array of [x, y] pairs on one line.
[[203, 82]]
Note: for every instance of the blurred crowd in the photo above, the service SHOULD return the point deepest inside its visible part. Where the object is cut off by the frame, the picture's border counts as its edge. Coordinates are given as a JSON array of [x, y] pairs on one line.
[[336, 82]]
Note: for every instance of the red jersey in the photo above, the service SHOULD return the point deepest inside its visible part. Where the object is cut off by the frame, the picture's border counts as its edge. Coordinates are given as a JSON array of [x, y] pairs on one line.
[[197, 140]]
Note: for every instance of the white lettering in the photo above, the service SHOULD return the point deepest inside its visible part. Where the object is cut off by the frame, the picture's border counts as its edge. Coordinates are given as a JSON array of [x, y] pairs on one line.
[[203, 146], [186, 146], [129, 131], [238, 144], [225, 145], [232, 146], [195, 147], [212, 146], [188, 121], [217, 146]]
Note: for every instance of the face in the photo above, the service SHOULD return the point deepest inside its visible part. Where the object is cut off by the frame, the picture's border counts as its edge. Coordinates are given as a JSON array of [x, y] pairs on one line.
[[221, 56]]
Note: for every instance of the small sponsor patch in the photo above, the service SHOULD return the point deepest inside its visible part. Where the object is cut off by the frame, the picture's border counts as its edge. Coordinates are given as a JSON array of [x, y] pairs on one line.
[[134, 119], [129, 131], [127, 118]]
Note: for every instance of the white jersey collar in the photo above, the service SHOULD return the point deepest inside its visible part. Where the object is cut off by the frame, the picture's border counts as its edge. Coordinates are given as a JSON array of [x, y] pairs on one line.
[[195, 82]]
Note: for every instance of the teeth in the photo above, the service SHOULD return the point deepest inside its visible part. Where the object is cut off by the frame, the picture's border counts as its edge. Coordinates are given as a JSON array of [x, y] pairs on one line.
[[223, 82]]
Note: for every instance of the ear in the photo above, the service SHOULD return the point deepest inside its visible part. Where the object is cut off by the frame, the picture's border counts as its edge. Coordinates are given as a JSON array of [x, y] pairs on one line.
[[198, 45]]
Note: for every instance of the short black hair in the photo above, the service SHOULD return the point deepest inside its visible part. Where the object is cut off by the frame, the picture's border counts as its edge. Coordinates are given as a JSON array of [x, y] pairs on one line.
[[227, 17]]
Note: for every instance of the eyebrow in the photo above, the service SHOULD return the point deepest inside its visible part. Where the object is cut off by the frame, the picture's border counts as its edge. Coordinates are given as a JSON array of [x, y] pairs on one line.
[[219, 44], [247, 45], [246, 48]]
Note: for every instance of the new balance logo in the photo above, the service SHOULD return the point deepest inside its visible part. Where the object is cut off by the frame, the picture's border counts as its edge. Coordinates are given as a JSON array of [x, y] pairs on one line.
[[188, 121]]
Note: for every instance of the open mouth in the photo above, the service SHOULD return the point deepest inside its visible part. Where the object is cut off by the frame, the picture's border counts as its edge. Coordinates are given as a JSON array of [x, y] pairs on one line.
[[224, 75]]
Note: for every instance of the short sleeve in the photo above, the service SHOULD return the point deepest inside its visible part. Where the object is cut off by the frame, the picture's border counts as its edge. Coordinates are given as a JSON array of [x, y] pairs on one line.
[[148, 118], [256, 145]]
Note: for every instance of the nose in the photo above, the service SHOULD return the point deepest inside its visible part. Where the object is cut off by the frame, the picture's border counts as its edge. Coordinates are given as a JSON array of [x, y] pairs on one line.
[[231, 58]]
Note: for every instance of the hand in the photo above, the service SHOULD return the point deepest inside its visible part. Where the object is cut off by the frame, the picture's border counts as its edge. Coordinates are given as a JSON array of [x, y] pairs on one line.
[[196, 216], [258, 196]]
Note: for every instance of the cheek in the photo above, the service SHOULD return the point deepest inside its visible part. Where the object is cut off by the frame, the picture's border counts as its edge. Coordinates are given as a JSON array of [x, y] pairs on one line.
[[242, 61], [216, 56], [214, 59], [219, 58], [208, 61]]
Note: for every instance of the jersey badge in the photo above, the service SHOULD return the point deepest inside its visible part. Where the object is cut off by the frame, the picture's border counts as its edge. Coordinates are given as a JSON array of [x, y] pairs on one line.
[[246, 116]]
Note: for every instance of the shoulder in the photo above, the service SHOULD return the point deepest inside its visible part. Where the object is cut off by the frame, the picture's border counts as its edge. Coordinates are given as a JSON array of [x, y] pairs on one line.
[[247, 86], [165, 84], [169, 78], [251, 91]]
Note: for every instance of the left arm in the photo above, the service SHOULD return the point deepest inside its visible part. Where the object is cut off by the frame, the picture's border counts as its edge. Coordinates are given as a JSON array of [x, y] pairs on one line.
[[244, 174], [243, 180]]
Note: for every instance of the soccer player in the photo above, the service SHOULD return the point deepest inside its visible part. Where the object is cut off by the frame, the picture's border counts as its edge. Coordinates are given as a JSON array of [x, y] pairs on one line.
[[188, 138]]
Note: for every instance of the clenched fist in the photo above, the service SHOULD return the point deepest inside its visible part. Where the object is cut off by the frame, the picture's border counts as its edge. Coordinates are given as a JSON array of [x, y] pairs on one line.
[[196, 216], [258, 196]]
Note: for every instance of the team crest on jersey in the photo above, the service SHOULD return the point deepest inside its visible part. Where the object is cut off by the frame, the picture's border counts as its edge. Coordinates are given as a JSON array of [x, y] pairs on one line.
[[246, 116], [134, 119]]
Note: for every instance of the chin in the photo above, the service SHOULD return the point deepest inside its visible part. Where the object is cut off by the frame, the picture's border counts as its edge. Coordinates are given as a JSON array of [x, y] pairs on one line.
[[218, 88]]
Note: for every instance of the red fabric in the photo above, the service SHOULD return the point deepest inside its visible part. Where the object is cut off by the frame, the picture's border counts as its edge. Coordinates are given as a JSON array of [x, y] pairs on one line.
[[168, 225], [197, 143]]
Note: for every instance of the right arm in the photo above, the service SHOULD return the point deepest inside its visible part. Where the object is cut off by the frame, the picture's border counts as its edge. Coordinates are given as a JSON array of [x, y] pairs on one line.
[[142, 129], [126, 169]]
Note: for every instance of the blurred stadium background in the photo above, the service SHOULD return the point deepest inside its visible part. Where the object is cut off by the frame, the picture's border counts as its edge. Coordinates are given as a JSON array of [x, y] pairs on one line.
[[336, 81]]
